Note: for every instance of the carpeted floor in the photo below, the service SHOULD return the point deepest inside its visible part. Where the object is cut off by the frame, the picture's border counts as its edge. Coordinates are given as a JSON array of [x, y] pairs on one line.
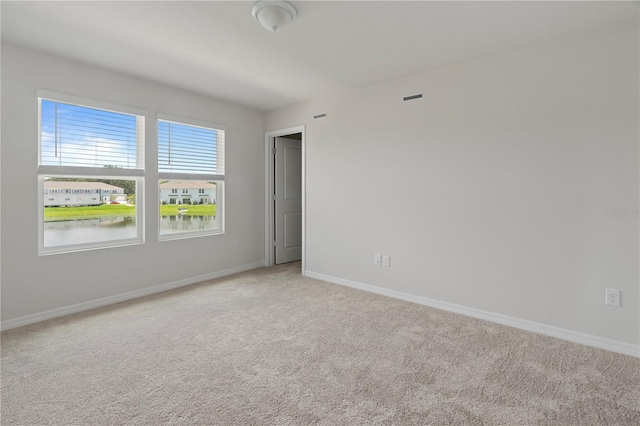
[[269, 347]]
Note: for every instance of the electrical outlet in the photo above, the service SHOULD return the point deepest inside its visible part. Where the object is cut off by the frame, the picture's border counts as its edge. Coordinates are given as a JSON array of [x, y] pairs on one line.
[[235, 245], [612, 297], [377, 259], [386, 260]]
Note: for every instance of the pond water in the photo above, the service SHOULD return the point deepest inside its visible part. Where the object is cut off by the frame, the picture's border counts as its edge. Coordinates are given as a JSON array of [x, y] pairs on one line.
[[88, 231], [186, 223]]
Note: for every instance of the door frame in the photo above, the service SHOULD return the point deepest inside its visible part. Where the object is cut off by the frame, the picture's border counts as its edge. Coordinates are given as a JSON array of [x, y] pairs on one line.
[[269, 216]]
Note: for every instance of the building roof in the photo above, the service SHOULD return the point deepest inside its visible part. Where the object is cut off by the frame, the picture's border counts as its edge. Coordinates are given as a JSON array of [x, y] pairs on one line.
[[186, 184], [49, 184]]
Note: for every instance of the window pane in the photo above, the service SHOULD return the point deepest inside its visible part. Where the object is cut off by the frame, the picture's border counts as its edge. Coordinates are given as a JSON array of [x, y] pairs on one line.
[[189, 206], [86, 211], [72, 135], [189, 149]]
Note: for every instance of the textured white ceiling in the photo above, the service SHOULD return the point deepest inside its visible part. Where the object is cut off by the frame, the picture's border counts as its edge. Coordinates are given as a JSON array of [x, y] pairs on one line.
[[216, 48]]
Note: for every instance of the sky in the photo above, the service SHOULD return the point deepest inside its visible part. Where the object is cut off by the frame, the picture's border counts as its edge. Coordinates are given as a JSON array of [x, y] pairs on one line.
[[188, 149], [79, 136], [72, 135]]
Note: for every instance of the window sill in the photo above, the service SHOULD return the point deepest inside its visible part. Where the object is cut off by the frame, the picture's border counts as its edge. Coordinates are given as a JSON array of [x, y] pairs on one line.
[[185, 235], [48, 251]]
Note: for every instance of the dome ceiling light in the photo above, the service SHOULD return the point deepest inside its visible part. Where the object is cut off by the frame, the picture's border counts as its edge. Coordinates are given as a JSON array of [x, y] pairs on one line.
[[274, 15]]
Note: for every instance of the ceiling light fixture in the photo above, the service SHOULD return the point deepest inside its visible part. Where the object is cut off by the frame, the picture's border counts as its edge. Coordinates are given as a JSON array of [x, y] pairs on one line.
[[274, 15]]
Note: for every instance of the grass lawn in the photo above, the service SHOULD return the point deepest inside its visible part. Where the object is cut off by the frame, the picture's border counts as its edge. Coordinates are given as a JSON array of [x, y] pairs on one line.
[[192, 210], [53, 214]]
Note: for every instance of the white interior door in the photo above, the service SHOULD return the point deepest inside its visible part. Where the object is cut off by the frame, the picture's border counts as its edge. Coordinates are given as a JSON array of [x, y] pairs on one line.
[[288, 200]]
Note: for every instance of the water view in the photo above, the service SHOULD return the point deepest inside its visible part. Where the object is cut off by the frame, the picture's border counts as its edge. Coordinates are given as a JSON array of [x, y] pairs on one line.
[[87, 211], [187, 223], [87, 231]]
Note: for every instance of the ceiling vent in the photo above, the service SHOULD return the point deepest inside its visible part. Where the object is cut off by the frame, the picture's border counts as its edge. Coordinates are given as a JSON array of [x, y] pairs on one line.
[[412, 97]]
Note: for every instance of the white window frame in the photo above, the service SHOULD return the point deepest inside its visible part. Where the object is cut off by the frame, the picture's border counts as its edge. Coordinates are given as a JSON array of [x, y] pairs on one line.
[[219, 179], [136, 174]]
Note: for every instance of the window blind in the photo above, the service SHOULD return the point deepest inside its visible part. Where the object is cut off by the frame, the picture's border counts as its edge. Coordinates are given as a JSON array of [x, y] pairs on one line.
[[79, 136], [188, 149]]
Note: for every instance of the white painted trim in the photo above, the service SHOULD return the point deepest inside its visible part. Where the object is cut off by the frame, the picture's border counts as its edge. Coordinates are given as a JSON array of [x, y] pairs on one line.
[[97, 245], [97, 303], [67, 171], [268, 191], [190, 121], [548, 330], [89, 103]]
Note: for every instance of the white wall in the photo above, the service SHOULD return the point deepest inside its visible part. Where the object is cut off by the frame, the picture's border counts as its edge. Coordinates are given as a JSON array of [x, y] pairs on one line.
[[32, 285], [492, 192]]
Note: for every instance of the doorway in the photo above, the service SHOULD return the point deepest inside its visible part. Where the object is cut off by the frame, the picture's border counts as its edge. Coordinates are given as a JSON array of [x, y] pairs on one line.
[[285, 196]]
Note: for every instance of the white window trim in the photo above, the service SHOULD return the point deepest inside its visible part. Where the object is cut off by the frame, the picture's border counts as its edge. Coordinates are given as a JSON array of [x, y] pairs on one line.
[[200, 233], [137, 174], [218, 179], [191, 122], [72, 248], [89, 103]]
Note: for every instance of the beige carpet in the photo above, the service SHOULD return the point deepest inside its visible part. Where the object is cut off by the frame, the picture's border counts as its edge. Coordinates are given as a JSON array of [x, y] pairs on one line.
[[269, 347]]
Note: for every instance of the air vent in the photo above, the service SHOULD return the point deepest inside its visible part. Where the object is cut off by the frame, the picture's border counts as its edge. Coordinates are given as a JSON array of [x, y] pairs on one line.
[[320, 116], [412, 97]]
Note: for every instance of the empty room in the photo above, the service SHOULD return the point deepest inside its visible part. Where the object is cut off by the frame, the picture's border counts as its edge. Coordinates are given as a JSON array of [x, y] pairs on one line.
[[320, 212]]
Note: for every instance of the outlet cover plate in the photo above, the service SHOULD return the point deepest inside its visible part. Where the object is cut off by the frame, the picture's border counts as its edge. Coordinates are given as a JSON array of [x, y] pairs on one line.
[[612, 297]]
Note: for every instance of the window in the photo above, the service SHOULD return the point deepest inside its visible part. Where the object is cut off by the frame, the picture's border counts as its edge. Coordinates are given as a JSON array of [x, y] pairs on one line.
[[190, 157], [90, 173]]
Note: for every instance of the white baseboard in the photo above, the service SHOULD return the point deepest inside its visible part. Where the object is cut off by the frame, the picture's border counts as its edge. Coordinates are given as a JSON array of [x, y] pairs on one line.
[[97, 303], [548, 330]]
